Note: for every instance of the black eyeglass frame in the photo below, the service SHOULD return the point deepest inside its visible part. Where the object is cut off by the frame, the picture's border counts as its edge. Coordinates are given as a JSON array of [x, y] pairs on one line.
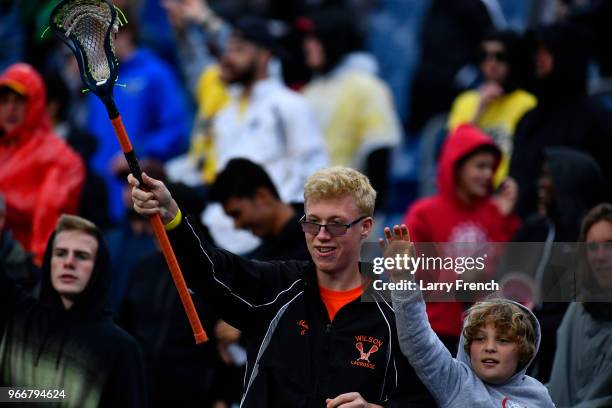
[[303, 221]]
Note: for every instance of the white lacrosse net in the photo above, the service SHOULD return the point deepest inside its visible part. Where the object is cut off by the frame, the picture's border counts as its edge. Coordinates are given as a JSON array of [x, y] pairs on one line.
[[88, 21]]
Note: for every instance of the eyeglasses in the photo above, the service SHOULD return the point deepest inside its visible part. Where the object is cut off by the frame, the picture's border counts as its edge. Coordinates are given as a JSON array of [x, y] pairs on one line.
[[335, 229], [499, 56]]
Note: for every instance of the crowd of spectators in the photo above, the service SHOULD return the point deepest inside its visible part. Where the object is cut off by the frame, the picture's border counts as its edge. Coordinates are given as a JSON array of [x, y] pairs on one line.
[[475, 121]]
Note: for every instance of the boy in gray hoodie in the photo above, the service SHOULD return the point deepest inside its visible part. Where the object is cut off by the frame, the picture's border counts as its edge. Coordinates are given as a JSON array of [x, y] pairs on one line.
[[499, 341]]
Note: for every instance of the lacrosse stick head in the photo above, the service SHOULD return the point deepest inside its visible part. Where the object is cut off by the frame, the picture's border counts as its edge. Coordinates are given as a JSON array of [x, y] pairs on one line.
[[87, 28]]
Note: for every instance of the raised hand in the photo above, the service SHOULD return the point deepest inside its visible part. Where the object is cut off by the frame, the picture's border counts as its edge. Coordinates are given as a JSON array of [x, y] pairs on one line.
[[196, 10], [182, 12], [488, 93], [156, 200], [397, 242]]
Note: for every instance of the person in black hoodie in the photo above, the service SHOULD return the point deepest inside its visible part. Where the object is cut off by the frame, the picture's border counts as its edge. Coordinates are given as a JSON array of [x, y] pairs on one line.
[[564, 116], [66, 340], [570, 183]]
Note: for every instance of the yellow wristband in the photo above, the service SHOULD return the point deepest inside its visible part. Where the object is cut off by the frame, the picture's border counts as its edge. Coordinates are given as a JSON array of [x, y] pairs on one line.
[[175, 221]]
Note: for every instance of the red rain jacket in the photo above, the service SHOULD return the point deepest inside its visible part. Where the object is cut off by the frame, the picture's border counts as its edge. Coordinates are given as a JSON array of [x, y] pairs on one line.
[[445, 218], [40, 176]]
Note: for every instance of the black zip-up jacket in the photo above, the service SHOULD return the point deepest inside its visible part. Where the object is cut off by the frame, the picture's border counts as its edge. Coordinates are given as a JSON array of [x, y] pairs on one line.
[[296, 357]]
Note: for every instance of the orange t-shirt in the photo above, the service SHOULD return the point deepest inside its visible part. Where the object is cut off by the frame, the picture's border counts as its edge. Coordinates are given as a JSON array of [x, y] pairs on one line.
[[335, 300]]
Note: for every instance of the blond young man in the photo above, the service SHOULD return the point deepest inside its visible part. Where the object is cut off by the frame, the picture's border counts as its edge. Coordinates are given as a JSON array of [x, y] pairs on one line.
[[499, 341], [310, 340]]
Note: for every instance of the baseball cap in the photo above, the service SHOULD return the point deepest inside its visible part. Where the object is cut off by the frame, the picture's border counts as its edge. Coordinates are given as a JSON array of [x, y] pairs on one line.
[[264, 32]]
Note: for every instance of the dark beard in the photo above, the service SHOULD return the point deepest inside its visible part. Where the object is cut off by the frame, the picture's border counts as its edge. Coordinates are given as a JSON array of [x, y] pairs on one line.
[[245, 77]]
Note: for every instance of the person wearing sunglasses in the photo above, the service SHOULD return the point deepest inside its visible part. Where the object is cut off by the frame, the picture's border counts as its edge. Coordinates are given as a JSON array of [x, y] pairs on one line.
[[499, 103], [316, 333]]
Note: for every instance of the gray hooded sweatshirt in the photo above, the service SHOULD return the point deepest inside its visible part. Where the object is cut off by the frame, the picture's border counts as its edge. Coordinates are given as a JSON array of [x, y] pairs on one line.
[[452, 381], [582, 371]]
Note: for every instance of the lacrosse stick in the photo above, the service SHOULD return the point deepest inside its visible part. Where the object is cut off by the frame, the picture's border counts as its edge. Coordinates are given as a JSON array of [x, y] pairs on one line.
[[87, 28]]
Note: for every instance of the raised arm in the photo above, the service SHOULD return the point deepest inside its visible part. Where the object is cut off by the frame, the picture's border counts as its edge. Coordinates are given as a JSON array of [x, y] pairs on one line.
[[431, 360], [236, 287], [196, 27]]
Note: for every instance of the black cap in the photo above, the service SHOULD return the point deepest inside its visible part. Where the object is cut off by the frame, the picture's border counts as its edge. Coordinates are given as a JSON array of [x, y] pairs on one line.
[[265, 33]]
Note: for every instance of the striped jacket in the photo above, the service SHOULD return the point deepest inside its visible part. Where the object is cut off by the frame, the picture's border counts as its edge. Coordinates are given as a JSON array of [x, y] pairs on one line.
[[296, 357]]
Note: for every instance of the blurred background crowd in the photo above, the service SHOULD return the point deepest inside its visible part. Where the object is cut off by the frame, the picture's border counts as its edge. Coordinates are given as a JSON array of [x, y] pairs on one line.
[[475, 120]]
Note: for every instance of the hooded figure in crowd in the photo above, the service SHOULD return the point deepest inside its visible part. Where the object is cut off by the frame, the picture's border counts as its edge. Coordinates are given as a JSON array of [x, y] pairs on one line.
[[565, 115], [67, 340], [463, 211], [40, 176], [570, 183]]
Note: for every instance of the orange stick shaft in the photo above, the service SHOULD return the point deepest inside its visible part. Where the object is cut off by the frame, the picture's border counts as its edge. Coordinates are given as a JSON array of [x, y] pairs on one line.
[[122, 136], [177, 277], [164, 243]]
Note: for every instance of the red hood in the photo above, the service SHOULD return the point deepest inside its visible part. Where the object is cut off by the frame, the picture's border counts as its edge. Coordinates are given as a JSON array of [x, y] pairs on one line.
[[463, 141], [25, 79]]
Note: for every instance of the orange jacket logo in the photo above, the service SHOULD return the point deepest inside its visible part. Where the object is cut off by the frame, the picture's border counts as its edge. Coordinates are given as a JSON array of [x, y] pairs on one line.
[[303, 327], [364, 357]]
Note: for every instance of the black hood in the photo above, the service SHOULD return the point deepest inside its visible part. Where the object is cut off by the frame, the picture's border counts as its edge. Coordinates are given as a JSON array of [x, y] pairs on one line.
[[578, 183], [93, 302], [338, 33], [569, 45]]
